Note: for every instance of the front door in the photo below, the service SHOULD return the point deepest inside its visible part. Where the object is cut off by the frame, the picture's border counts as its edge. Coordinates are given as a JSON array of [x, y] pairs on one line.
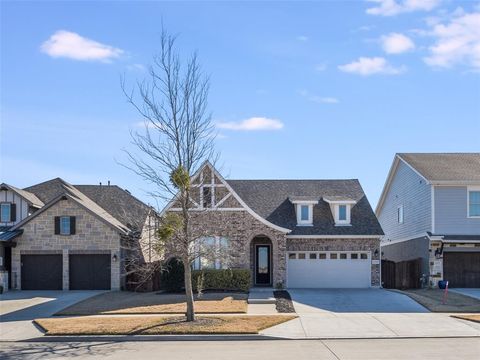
[[262, 265]]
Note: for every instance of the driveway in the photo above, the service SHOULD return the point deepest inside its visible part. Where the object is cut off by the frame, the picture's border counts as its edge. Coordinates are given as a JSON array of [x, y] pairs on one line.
[[365, 313], [472, 292], [19, 308]]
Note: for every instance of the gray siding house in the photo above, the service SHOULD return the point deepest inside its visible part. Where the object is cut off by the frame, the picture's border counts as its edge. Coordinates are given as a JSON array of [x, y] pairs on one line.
[[430, 209]]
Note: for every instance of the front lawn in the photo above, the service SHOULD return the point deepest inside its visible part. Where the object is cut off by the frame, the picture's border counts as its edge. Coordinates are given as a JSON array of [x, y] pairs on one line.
[[159, 325], [122, 302], [432, 299]]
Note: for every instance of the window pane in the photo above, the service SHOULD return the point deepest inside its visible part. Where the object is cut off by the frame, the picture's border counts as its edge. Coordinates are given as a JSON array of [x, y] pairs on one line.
[[301, 256], [342, 212], [5, 213], [354, 256], [474, 203], [207, 197], [343, 256], [304, 213], [65, 225], [322, 256], [262, 260], [363, 256], [292, 256], [333, 256], [313, 256]]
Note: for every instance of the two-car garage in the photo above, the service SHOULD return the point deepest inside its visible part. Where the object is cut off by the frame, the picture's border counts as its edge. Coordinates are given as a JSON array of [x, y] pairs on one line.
[[329, 269], [85, 271]]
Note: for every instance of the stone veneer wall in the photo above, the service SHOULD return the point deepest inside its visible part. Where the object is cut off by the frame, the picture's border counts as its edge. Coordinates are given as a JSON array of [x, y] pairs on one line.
[[92, 236], [341, 245], [241, 228]]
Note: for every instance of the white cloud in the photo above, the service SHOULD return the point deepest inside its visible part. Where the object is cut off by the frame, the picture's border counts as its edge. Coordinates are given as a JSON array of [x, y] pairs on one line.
[[369, 66], [456, 42], [252, 124], [318, 99], [395, 43], [394, 7], [73, 46], [136, 67], [302, 38]]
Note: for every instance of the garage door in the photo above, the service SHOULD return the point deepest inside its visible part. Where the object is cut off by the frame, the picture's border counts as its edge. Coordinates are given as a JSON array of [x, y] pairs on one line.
[[89, 272], [462, 269], [41, 272], [328, 270]]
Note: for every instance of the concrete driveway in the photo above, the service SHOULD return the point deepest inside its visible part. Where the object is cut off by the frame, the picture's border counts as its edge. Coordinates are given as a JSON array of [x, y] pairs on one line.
[[19, 308], [472, 292], [365, 313]]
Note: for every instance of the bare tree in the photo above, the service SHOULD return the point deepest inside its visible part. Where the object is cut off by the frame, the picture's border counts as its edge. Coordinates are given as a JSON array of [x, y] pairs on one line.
[[177, 139]]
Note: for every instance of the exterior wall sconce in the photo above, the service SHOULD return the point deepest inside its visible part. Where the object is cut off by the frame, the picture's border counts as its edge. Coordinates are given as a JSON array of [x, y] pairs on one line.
[[115, 258], [376, 253]]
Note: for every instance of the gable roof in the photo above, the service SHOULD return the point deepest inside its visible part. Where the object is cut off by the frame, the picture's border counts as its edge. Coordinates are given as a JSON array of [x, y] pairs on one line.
[[445, 167], [270, 200], [117, 202], [31, 198], [65, 190]]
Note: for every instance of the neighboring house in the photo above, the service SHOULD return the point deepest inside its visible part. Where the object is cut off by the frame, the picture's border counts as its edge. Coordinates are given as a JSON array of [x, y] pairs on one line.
[[294, 233], [430, 209], [60, 236]]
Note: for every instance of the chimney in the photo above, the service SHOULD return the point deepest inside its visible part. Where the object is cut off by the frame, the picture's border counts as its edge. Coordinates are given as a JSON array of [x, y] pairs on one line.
[[108, 182], [100, 183]]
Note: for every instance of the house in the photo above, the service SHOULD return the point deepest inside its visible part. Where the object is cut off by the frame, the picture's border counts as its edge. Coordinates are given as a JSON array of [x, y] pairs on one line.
[[55, 235], [294, 233], [430, 209]]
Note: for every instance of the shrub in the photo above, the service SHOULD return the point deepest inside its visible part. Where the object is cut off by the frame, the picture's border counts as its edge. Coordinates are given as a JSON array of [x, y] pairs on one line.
[[173, 276], [227, 279]]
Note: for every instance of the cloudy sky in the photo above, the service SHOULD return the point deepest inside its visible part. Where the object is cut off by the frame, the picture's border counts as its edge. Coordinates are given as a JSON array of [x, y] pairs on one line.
[[298, 90]]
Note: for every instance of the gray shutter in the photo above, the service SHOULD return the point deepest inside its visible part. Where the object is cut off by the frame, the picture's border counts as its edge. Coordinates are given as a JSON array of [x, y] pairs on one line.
[[72, 225], [57, 225], [13, 212]]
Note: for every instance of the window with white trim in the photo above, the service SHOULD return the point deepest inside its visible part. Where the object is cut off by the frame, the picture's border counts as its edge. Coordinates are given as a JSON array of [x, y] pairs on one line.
[[342, 214], [212, 253], [400, 214], [474, 202], [304, 213]]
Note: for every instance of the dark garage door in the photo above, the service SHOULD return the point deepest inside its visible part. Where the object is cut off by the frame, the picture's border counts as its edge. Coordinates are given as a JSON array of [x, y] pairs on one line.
[[462, 269], [41, 272], [90, 272]]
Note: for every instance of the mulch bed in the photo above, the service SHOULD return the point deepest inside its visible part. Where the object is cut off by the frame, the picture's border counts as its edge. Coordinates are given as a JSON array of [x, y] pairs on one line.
[[284, 302]]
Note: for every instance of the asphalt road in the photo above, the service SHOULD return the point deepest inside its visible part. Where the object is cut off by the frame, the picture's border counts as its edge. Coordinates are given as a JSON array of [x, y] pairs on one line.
[[392, 349]]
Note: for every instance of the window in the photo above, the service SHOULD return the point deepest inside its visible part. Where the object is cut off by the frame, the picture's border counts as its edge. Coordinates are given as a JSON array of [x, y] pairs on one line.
[[292, 256], [342, 212], [343, 256], [354, 256], [313, 256], [322, 256], [363, 256], [474, 203], [301, 256], [333, 256], [5, 212], [400, 214], [304, 213], [65, 225], [211, 253], [207, 197]]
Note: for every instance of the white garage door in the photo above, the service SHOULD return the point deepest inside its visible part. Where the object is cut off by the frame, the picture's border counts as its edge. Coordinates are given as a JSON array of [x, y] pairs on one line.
[[332, 269]]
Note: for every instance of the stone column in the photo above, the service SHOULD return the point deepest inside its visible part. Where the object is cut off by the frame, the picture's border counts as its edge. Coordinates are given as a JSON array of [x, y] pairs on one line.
[[66, 270]]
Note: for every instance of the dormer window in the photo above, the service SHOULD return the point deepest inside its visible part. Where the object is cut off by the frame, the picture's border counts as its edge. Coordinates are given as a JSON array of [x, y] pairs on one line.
[[304, 210], [341, 208]]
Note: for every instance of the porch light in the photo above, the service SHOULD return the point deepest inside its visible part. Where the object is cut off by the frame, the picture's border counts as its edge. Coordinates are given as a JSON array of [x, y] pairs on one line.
[[114, 258]]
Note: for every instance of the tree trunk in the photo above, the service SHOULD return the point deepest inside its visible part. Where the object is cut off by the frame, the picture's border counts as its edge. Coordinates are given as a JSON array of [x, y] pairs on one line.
[[189, 291]]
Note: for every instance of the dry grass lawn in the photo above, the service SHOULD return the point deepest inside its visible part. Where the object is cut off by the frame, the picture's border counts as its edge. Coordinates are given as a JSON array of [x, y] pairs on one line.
[[122, 302], [471, 317], [156, 325], [432, 300]]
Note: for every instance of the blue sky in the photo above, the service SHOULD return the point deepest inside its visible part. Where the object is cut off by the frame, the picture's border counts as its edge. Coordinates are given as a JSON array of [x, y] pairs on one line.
[[298, 89]]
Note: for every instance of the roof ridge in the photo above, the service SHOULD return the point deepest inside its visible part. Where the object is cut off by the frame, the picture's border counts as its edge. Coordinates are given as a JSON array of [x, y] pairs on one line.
[[352, 179]]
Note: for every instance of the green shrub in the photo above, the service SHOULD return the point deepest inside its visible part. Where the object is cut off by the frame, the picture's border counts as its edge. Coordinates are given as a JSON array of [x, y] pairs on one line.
[[173, 279], [227, 279]]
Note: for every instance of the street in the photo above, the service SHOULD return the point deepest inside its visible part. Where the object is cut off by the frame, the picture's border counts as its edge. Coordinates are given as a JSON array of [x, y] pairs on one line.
[[420, 348]]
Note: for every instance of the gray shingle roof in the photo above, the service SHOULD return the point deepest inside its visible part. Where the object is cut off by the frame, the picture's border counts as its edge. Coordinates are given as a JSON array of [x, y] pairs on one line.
[[30, 197], [445, 166], [270, 200], [110, 201]]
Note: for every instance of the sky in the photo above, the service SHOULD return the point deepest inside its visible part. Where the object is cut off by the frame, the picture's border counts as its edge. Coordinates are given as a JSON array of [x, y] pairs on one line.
[[299, 90]]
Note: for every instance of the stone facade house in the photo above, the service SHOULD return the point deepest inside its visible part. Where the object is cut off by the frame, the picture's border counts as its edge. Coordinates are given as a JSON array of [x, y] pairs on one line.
[[430, 209], [290, 233], [69, 237]]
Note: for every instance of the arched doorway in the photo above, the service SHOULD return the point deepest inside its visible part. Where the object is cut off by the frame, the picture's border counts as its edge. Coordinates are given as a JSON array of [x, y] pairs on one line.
[[261, 264]]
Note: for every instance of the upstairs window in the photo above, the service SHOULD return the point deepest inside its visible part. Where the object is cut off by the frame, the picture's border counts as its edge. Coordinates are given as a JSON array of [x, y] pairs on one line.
[[5, 212], [65, 225], [207, 196], [474, 203], [342, 212], [341, 209], [304, 212], [400, 214]]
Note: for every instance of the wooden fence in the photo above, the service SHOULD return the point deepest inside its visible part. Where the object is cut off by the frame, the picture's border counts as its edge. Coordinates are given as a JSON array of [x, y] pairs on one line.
[[402, 275]]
